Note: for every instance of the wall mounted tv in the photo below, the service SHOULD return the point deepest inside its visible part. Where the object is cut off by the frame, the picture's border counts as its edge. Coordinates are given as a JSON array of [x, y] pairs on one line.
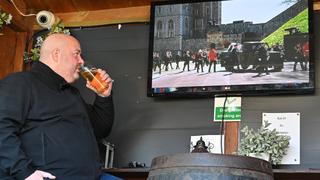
[[234, 47]]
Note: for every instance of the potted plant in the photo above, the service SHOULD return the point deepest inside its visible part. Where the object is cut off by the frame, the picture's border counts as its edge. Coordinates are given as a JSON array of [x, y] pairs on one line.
[[264, 141]]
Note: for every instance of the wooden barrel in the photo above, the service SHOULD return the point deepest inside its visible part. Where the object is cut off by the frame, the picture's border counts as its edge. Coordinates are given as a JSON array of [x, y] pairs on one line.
[[208, 166]]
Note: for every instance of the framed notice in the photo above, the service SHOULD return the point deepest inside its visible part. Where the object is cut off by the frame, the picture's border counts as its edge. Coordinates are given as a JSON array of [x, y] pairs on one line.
[[287, 124], [227, 109]]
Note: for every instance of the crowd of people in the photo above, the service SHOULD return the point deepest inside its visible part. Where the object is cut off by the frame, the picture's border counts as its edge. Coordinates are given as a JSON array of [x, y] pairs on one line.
[[202, 57], [208, 57]]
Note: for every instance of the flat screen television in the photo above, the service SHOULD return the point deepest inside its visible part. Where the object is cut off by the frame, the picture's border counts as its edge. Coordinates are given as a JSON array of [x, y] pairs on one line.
[[232, 47]]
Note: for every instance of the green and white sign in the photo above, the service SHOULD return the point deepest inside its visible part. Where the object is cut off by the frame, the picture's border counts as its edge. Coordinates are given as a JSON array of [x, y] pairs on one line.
[[231, 111]]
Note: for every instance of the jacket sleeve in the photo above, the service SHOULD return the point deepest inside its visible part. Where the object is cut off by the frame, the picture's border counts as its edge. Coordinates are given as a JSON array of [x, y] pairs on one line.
[[14, 105], [101, 116]]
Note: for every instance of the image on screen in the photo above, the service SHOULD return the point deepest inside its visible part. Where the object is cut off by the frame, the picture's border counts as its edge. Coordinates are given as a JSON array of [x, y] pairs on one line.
[[233, 46]]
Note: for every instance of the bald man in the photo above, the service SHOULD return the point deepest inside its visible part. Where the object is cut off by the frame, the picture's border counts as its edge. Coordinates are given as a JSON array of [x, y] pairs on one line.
[[46, 129]]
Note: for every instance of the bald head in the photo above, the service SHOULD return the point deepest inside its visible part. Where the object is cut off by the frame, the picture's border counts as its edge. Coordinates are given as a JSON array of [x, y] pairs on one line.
[[54, 42], [61, 52]]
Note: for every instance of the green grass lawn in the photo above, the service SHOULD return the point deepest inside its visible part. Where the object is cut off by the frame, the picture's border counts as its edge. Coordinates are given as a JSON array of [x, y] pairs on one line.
[[300, 21]]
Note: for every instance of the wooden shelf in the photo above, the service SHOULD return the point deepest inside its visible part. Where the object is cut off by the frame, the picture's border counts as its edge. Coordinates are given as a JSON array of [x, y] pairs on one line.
[[129, 173], [293, 171], [279, 174], [296, 174]]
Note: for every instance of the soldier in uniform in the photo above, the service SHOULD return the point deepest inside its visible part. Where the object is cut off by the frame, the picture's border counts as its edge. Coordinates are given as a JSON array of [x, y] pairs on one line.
[[187, 58], [200, 57], [167, 60], [298, 58], [262, 59], [305, 50], [212, 57], [156, 61], [177, 58]]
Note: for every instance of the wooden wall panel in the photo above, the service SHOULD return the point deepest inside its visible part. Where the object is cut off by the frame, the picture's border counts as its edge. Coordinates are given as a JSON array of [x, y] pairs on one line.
[[7, 53], [12, 46]]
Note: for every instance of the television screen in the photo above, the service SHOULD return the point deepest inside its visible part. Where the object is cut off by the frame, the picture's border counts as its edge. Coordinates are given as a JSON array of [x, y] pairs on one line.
[[231, 47]]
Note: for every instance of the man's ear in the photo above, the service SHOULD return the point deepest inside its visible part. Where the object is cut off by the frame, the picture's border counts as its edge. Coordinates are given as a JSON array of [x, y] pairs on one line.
[[56, 54]]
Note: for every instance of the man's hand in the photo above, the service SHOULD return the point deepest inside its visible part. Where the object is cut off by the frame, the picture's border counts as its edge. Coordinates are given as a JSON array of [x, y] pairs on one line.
[[106, 78], [40, 175]]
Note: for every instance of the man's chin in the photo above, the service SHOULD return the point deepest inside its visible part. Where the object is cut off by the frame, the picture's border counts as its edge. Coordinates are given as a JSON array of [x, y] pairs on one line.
[[76, 77], [73, 79]]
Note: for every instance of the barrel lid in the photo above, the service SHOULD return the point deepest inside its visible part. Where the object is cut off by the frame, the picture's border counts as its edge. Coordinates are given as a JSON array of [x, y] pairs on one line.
[[211, 160]]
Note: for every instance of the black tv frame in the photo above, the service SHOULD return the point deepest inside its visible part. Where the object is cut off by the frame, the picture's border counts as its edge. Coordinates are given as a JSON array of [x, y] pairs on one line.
[[230, 90]]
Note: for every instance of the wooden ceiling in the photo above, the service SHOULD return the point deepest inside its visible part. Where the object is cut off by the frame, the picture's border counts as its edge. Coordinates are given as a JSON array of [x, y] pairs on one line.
[[75, 13], [64, 6]]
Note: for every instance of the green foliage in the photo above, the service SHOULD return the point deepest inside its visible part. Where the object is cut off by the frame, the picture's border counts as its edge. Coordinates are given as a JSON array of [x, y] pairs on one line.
[[58, 28], [300, 22], [264, 141], [34, 54], [4, 18]]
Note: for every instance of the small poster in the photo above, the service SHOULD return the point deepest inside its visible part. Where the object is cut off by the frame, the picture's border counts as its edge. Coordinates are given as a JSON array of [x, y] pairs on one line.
[[213, 142], [287, 124], [227, 109]]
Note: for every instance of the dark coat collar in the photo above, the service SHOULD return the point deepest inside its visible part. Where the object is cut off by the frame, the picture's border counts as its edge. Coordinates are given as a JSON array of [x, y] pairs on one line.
[[48, 76]]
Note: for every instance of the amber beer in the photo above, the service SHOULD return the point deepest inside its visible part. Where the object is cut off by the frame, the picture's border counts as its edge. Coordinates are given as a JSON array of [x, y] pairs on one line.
[[93, 76]]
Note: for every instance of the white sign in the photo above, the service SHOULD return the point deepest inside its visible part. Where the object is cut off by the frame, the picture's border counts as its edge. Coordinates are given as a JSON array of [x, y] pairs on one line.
[[213, 142], [287, 124]]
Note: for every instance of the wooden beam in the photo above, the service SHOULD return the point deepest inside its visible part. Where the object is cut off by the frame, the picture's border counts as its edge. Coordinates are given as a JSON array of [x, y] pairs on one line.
[[111, 16], [316, 5], [21, 38], [104, 17], [231, 138], [19, 23]]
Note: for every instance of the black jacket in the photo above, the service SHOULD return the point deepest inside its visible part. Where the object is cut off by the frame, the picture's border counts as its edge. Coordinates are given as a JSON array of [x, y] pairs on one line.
[[46, 125]]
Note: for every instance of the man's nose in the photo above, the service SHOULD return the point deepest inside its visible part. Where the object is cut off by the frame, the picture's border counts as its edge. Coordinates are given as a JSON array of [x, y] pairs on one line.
[[81, 61]]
